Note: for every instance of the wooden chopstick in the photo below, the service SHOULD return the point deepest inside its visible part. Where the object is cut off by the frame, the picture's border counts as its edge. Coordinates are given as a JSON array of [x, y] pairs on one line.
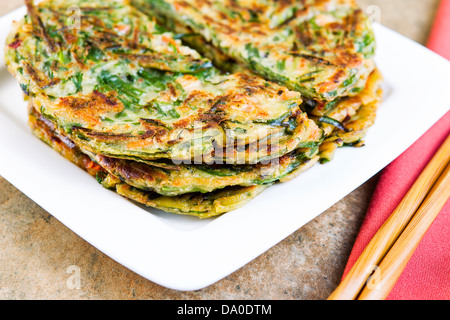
[[396, 259], [353, 283]]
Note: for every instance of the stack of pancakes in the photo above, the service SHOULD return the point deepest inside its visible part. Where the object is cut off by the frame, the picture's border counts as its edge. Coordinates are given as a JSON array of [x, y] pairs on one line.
[[196, 107], [322, 49]]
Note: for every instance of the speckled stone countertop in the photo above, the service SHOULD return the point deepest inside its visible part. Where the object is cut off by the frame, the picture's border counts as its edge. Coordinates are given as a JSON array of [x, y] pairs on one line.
[[37, 250]]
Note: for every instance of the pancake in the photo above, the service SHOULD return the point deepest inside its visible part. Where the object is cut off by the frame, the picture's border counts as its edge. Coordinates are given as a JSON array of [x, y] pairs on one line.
[[322, 49], [348, 122], [256, 93], [179, 179], [201, 205], [220, 40], [121, 86], [202, 178]]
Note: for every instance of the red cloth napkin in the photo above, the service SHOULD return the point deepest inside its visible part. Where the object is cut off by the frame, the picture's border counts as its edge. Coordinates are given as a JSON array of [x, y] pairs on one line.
[[439, 40], [427, 275]]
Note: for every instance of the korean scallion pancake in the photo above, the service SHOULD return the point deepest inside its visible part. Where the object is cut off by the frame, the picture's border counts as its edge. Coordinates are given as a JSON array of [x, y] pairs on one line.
[[121, 86], [203, 178], [329, 115], [345, 108], [184, 178], [322, 49], [201, 205], [348, 123]]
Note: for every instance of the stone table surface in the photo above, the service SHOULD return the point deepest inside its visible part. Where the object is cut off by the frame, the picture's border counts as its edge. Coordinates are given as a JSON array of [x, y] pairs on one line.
[[37, 251]]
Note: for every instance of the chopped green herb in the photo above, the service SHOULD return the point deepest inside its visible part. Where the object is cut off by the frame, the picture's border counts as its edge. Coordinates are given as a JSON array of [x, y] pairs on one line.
[[128, 94], [77, 80], [165, 109], [95, 54], [251, 51], [333, 122], [24, 88], [281, 65]]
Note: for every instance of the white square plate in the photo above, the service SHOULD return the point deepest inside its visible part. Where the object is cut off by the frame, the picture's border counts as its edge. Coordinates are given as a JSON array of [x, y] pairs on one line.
[[185, 253]]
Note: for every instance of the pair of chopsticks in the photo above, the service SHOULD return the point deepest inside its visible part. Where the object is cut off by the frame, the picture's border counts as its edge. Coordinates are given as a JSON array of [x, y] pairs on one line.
[[380, 265]]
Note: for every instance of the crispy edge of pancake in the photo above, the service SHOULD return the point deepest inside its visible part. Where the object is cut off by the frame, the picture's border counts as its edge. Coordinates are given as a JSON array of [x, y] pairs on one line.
[[209, 204], [356, 122], [198, 205], [190, 178], [201, 178]]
